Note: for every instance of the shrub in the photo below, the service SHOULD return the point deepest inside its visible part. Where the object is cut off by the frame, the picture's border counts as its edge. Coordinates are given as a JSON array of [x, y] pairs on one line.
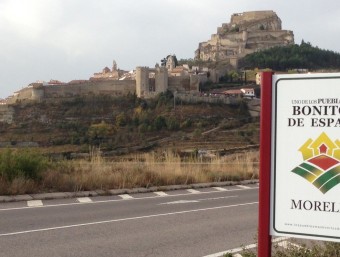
[[159, 122], [24, 163]]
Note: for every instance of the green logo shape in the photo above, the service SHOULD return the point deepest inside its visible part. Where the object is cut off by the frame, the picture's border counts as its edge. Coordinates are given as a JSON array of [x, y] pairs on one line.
[[321, 166]]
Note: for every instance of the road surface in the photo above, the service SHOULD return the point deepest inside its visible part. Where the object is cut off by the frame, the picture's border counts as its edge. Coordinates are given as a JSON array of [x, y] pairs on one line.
[[175, 223]]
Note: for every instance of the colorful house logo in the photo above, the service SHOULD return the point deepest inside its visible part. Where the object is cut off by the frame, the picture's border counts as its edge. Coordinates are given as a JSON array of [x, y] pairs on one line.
[[321, 166]]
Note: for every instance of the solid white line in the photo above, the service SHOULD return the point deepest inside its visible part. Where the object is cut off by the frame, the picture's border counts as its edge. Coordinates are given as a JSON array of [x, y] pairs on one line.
[[220, 189], [161, 193], [125, 219], [126, 196], [239, 249], [84, 200], [243, 187], [193, 191], [118, 200], [34, 203]]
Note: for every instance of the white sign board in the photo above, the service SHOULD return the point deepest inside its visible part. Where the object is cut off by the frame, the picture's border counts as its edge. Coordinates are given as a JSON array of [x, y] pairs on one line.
[[305, 172]]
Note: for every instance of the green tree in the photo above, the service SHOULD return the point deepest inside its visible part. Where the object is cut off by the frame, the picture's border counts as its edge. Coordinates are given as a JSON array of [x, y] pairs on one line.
[[98, 133], [159, 122]]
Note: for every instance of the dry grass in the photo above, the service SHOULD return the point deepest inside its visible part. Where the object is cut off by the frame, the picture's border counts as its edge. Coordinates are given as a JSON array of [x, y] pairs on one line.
[[144, 170]]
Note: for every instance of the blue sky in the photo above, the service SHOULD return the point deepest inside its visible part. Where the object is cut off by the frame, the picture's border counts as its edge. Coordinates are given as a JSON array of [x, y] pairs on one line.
[[66, 40]]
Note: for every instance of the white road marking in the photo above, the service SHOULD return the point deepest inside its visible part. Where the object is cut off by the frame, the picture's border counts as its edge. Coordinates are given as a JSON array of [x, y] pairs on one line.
[[193, 191], [116, 200], [239, 249], [84, 200], [34, 203], [161, 193], [287, 244], [125, 219], [199, 200], [126, 196], [220, 189], [181, 201], [243, 187]]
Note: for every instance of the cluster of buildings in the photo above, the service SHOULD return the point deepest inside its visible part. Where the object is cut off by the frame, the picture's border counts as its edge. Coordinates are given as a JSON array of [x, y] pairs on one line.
[[145, 82]]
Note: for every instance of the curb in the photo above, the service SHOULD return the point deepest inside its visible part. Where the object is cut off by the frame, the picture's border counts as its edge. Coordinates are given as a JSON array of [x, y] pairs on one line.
[[62, 195]]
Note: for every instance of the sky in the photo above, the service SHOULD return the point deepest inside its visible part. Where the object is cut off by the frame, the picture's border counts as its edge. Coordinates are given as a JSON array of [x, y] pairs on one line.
[[72, 39]]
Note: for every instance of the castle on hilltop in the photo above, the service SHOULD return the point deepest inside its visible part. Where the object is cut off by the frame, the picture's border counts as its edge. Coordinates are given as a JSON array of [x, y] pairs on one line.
[[246, 33]]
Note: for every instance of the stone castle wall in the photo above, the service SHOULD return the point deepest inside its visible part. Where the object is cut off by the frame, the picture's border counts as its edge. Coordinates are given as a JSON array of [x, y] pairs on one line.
[[246, 33], [108, 87], [6, 114], [238, 18], [145, 86], [184, 84]]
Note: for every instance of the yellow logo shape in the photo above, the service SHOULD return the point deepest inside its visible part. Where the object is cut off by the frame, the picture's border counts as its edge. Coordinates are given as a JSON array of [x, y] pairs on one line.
[[321, 165]]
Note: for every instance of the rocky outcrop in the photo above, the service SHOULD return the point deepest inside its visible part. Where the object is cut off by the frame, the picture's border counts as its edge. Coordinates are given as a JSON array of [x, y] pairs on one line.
[[246, 33]]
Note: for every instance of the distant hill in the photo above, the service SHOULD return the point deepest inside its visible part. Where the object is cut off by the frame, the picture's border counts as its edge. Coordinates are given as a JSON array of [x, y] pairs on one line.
[[303, 56], [125, 124]]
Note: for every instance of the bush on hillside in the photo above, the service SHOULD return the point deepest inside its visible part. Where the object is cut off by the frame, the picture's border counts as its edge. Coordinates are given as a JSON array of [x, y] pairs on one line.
[[23, 163]]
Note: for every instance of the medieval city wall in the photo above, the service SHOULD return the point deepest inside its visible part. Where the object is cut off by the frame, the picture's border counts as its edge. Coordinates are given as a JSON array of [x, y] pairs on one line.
[[109, 87], [184, 83], [25, 93], [195, 98], [6, 114], [179, 84]]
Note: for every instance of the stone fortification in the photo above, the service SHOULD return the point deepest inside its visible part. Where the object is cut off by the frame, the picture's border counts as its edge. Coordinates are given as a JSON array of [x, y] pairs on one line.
[[39, 92], [109, 87], [148, 83], [246, 33], [6, 114]]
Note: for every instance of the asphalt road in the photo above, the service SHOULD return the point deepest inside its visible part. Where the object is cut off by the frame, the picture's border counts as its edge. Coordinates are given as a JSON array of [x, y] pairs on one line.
[[177, 223]]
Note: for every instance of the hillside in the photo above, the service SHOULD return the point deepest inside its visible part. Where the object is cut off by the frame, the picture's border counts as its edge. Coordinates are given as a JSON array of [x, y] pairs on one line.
[[127, 124], [303, 56]]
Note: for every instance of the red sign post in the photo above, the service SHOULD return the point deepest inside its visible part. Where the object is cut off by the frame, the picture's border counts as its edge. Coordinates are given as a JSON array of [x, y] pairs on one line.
[[264, 238]]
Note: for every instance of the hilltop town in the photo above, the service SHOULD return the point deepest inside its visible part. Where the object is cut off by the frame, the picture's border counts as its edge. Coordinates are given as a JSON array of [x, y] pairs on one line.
[[245, 33]]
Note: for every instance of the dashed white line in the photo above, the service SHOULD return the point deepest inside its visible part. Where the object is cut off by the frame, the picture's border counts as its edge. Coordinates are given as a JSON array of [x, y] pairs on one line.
[[115, 200], [220, 189], [243, 187], [161, 193], [34, 203], [126, 196], [193, 191], [84, 200]]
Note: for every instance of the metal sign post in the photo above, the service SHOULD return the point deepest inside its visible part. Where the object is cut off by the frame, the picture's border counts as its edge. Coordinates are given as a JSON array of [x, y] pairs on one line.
[[264, 239], [299, 158]]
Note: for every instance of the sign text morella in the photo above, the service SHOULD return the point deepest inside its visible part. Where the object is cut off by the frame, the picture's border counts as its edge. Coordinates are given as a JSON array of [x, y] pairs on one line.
[[309, 205]]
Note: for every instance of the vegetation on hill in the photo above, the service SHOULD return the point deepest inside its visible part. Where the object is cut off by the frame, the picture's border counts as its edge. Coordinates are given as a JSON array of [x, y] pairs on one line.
[[303, 56], [124, 122]]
